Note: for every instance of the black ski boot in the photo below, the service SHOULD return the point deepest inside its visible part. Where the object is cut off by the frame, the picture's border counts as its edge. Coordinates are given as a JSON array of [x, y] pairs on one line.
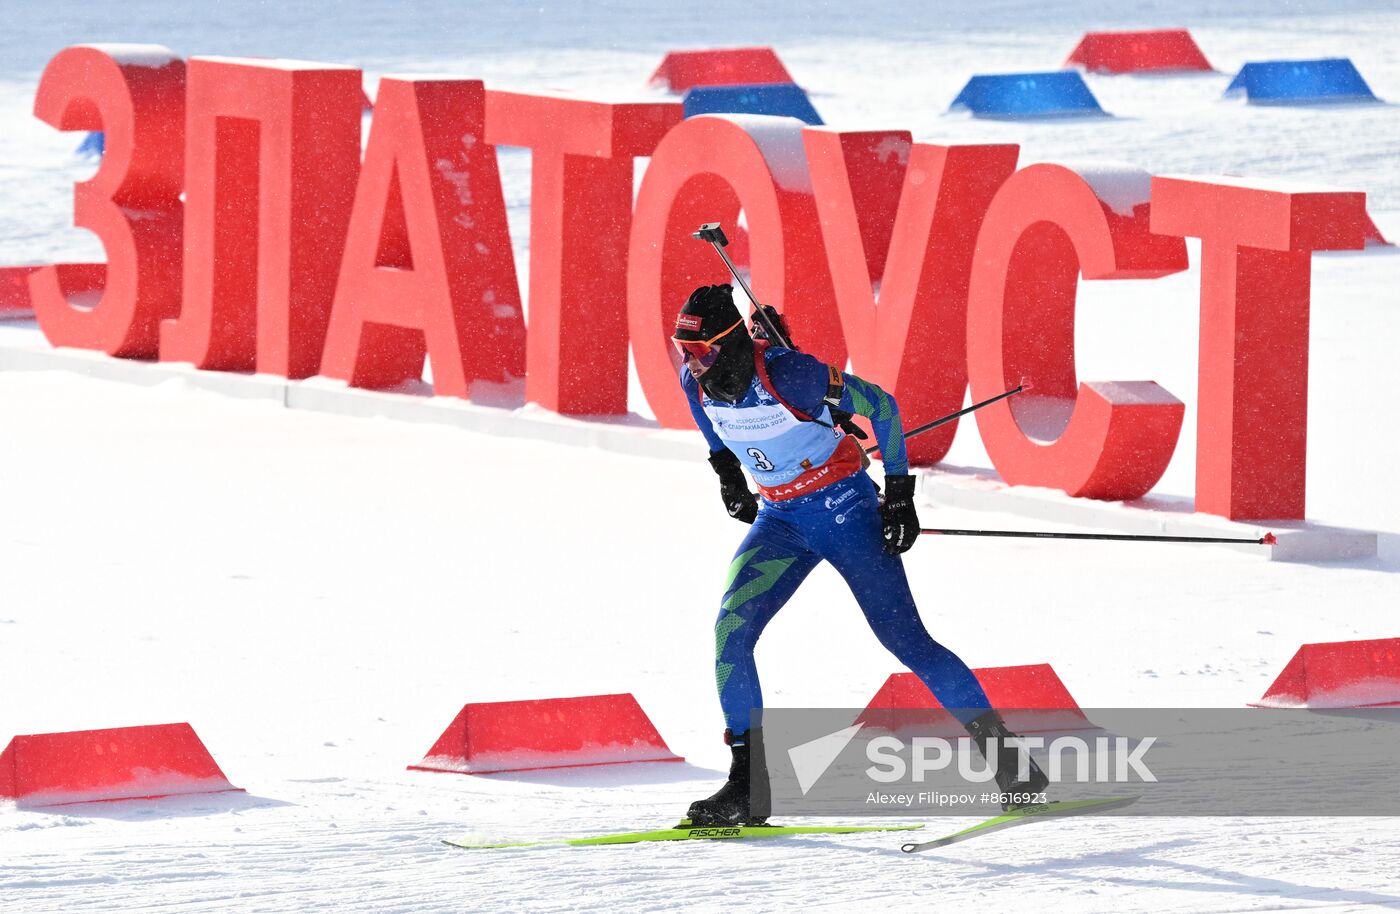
[[744, 798], [1008, 760]]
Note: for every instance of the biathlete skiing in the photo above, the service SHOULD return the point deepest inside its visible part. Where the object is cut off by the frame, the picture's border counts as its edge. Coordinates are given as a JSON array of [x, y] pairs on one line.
[[784, 416]]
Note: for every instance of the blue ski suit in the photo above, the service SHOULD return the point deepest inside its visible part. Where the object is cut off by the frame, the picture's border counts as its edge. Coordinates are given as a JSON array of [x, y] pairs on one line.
[[817, 504]]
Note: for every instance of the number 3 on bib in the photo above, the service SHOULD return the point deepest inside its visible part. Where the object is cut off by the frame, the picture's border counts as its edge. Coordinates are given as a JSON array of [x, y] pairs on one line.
[[761, 461]]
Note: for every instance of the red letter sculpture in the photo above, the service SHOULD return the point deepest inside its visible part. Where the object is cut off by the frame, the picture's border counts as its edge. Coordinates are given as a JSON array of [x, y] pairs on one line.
[[428, 267], [914, 343], [1257, 239], [705, 170], [273, 147], [580, 219], [1109, 440], [135, 95]]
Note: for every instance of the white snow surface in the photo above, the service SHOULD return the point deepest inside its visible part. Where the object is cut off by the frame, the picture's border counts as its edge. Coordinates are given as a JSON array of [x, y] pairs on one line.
[[319, 595], [137, 55], [1118, 185], [779, 139], [276, 63]]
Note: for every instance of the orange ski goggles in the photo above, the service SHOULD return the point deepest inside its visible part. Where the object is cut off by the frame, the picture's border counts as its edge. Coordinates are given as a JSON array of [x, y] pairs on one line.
[[700, 355]]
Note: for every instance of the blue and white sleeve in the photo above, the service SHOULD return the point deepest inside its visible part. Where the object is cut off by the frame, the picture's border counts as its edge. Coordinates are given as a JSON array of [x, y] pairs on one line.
[[702, 421], [869, 400]]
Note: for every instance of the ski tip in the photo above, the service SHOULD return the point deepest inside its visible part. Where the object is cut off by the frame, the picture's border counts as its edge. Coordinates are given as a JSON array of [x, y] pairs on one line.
[[463, 844], [1269, 540], [1055, 809]]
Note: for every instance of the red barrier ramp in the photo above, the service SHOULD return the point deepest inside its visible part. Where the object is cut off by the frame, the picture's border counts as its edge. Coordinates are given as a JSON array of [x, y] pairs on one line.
[[680, 70], [81, 282], [489, 737], [1032, 697], [1135, 52], [84, 766], [1338, 674], [1373, 236]]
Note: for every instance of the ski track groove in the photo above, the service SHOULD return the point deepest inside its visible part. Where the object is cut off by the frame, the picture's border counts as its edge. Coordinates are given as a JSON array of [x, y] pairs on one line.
[[396, 866]]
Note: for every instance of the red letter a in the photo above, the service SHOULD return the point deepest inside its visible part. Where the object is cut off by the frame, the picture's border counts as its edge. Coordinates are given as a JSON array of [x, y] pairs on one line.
[[428, 265]]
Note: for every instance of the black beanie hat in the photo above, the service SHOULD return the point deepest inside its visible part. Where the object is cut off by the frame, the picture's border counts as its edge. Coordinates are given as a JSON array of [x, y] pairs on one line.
[[708, 312]]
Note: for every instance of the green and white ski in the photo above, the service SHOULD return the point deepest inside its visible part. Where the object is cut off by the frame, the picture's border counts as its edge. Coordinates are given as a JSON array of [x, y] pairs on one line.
[[687, 832], [1023, 816]]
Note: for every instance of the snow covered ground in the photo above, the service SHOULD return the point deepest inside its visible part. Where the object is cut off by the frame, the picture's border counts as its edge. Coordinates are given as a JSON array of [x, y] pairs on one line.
[[319, 595]]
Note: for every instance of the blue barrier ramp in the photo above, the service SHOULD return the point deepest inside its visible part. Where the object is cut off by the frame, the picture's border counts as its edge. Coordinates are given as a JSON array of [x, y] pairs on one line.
[[93, 144], [1058, 93], [1296, 82], [762, 98]]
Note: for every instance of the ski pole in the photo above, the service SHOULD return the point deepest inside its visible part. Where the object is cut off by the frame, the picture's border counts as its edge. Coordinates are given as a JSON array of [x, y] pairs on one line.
[[712, 233], [929, 426], [1268, 539]]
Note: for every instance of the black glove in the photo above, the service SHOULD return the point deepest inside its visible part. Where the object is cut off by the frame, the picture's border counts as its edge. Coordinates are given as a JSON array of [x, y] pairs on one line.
[[760, 328], [733, 487], [898, 520]]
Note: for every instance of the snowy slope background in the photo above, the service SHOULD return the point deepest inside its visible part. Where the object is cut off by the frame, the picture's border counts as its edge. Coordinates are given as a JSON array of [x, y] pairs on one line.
[[319, 595]]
